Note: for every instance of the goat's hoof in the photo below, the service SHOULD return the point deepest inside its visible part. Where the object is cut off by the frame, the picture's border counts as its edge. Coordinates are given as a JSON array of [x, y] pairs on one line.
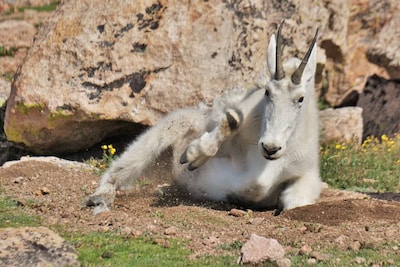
[[191, 167], [98, 202], [183, 158], [93, 200], [234, 118]]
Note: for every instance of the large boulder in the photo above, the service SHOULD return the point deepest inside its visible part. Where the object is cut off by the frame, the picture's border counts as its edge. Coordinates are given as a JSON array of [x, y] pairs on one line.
[[35, 246], [341, 124], [97, 66], [380, 103]]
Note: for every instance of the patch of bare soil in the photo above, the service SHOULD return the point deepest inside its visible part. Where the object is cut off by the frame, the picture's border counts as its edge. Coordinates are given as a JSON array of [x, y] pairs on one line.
[[343, 219]]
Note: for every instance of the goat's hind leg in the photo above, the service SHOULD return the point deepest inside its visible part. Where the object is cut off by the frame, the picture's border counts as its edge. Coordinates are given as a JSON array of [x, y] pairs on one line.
[[208, 144]]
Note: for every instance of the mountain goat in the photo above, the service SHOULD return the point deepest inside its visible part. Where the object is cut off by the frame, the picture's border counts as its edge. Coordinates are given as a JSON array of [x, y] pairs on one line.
[[257, 148]]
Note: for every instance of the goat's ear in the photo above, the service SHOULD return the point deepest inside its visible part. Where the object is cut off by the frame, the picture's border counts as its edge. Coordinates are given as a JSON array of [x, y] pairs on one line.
[[271, 56], [311, 67]]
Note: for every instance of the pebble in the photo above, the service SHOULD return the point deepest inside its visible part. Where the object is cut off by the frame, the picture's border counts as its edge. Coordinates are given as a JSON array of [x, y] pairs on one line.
[[162, 242], [18, 180], [320, 256], [170, 230], [355, 246], [285, 262], [237, 212], [256, 221], [305, 250], [360, 260], [311, 261]]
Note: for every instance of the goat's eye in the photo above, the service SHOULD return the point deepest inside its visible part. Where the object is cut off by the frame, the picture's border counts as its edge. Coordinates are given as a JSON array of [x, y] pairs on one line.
[[301, 99]]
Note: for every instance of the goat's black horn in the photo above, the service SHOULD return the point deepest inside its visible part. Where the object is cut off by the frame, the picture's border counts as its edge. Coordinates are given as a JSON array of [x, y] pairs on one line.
[[296, 76]]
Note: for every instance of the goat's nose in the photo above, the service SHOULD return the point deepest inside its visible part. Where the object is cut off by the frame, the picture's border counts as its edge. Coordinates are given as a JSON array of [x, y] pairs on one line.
[[270, 149]]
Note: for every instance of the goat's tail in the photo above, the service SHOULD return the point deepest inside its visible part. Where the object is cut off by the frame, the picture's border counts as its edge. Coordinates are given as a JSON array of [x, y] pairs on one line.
[[170, 131]]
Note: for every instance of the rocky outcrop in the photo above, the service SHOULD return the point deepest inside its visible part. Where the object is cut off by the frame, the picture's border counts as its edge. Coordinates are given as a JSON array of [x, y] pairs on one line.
[[385, 51], [380, 103], [91, 73], [35, 246]]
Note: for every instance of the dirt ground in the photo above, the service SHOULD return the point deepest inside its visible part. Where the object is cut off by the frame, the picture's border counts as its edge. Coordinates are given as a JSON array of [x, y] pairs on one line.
[[346, 220]]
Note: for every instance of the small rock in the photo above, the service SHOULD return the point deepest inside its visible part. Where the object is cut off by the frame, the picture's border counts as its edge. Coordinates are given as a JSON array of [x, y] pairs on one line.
[[45, 190], [162, 242], [285, 262], [258, 249], [355, 246], [303, 229], [305, 250], [360, 260], [152, 228], [390, 232], [237, 212], [211, 240], [126, 231], [18, 180], [107, 255], [42, 191], [320, 256], [170, 230], [256, 221], [21, 202], [342, 242], [311, 261]]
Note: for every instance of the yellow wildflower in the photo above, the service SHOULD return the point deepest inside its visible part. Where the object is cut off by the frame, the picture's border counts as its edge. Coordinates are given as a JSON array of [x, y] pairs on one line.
[[384, 138], [104, 147], [338, 146]]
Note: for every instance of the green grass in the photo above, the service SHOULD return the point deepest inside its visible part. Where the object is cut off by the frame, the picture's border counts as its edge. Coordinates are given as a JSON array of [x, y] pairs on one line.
[[385, 254], [46, 8], [372, 167], [111, 249], [12, 215]]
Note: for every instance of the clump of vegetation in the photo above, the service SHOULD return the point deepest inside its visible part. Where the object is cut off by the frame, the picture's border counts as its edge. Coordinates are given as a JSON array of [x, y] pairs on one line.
[[7, 52], [45, 8], [372, 167], [109, 154]]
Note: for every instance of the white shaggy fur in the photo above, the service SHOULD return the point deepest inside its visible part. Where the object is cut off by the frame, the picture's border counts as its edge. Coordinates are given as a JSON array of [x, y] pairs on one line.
[[257, 148]]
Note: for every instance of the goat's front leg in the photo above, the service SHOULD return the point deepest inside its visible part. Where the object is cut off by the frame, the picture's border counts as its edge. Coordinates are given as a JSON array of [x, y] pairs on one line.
[[208, 144], [303, 191]]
